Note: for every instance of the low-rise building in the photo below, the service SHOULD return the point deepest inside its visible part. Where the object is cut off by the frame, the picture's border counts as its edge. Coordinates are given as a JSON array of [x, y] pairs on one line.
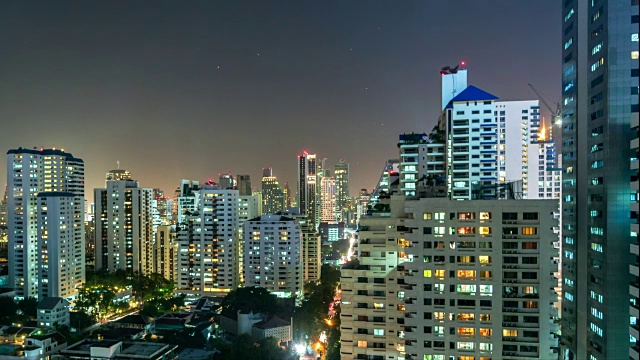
[[258, 325], [122, 350], [53, 311]]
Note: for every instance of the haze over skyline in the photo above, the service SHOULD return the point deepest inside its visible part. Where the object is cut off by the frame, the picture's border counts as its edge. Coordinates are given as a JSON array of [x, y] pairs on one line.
[[176, 92]]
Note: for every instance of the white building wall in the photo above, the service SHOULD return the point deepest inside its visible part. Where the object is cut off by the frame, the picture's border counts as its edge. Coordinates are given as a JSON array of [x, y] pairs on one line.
[[61, 253], [273, 255], [481, 279]]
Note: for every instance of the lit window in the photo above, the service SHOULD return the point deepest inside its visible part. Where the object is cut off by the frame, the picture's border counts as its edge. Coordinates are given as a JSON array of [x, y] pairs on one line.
[[485, 230], [427, 273], [484, 259], [529, 230], [362, 344], [634, 55], [378, 332], [509, 332], [466, 331], [426, 216]]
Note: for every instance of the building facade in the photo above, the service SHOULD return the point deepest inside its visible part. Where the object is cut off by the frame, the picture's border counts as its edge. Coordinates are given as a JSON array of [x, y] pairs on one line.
[[307, 189], [341, 174], [165, 253], [599, 101], [273, 197], [480, 279], [208, 244], [329, 211], [372, 304], [273, 255], [60, 247], [29, 173], [124, 233]]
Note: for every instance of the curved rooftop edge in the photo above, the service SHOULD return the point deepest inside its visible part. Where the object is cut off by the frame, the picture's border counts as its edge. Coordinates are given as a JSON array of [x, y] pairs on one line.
[[21, 150]]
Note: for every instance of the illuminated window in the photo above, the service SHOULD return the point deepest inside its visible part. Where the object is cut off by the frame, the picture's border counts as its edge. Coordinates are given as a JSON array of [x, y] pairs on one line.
[[466, 288], [427, 273], [468, 331], [529, 230], [485, 275], [485, 230], [484, 259], [530, 304], [484, 331], [439, 230], [378, 305], [438, 287], [466, 230], [465, 345], [440, 274], [466, 274], [509, 332], [438, 330], [362, 344], [485, 216], [378, 332], [439, 216], [486, 290], [485, 346], [635, 55], [466, 216], [466, 317], [426, 216], [438, 315], [485, 317]]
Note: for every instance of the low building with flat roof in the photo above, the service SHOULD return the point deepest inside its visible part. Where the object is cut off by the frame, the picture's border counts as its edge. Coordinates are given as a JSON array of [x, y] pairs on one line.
[[121, 350]]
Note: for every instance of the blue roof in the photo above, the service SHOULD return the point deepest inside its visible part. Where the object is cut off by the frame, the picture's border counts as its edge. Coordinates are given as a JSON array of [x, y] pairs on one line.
[[472, 93]]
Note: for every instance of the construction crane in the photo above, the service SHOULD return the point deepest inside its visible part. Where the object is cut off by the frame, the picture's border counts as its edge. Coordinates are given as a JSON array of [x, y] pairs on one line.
[[556, 116]]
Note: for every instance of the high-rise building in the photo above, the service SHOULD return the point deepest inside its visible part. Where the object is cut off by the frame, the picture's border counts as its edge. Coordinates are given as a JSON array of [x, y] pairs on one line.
[[599, 104], [307, 189], [341, 173], [634, 268], [480, 279], [118, 174], [273, 198], [328, 195], [185, 199], [165, 253], [249, 207], [124, 233], [471, 138], [311, 246], [58, 178], [454, 81], [61, 251], [226, 182], [372, 304], [208, 243], [273, 255], [422, 163], [244, 184], [287, 196]]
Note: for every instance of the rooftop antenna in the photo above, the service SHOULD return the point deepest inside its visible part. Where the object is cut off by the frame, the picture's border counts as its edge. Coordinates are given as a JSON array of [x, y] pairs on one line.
[[118, 163]]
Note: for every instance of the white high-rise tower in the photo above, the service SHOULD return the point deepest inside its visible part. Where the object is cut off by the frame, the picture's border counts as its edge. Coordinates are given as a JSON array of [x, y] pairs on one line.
[[45, 189]]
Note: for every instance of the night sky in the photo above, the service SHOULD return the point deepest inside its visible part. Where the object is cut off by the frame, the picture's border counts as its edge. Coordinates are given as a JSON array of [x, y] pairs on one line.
[[193, 89]]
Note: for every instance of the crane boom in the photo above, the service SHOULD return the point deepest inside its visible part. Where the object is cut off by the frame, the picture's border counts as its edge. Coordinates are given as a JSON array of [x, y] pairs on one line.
[[556, 115]]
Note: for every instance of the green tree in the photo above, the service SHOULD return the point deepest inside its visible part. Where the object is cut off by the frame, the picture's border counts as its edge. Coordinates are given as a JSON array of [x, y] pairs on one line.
[[29, 308], [8, 310], [256, 298]]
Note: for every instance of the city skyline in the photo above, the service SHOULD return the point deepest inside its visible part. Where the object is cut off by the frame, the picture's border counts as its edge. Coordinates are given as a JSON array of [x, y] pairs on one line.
[[103, 87]]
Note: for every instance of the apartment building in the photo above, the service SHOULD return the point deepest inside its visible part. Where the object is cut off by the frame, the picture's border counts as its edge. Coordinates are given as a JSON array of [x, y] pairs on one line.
[[481, 280]]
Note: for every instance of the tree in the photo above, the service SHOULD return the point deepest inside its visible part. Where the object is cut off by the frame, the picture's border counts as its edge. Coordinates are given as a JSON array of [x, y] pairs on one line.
[[29, 308], [437, 136], [8, 310], [255, 298]]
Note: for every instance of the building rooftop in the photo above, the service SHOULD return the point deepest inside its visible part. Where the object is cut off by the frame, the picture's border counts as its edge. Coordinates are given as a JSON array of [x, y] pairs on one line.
[[128, 350], [472, 93], [49, 303], [273, 322], [43, 152]]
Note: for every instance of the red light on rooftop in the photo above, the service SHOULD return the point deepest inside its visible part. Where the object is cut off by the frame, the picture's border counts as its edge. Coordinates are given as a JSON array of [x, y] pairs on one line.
[[463, 63]]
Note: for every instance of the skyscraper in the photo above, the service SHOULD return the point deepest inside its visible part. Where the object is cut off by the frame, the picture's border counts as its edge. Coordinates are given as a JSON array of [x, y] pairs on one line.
[[599, 104], [244, 184], [273, 255], [341, 173], [58, 178], [124, 233], [328, 207], [208, 243], [226, 182], [307, 190], [272, 195], [165, 253]]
